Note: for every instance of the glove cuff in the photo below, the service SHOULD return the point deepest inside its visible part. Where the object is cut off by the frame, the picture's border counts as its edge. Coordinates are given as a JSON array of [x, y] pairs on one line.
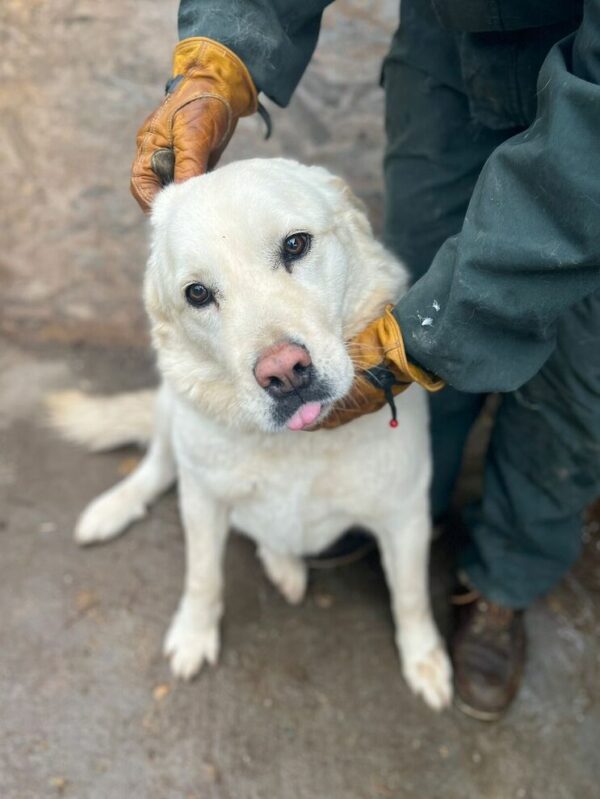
[[396, 353], [201, 56]]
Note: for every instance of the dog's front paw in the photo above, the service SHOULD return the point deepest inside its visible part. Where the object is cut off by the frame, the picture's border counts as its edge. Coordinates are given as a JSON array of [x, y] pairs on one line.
[[107, 516], [430, 676], [189, 644]]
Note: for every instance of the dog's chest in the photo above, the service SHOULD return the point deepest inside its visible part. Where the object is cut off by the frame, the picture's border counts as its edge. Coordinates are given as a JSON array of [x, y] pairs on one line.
[[297, 492], [291, 502]]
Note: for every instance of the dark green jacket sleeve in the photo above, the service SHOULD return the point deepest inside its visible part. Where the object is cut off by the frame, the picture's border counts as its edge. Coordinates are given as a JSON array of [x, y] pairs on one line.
[[274, 38], [484, 316]]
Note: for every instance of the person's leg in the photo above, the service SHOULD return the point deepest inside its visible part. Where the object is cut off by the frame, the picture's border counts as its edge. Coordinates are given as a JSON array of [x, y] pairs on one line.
[[543, 462], [434, 154], [542, 471]]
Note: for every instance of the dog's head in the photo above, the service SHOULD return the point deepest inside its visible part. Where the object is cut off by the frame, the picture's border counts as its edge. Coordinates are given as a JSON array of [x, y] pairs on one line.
[[259, 273]]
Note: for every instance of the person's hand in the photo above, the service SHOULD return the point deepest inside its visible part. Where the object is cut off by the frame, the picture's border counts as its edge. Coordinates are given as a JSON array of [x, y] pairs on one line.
[[209, 91], [382, 371]]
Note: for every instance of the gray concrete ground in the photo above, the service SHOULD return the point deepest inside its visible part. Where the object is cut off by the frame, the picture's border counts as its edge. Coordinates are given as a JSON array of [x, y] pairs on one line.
[[307, 702]]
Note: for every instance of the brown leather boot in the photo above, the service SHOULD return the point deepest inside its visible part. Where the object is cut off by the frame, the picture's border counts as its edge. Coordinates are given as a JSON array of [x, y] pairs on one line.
[[489, 654]]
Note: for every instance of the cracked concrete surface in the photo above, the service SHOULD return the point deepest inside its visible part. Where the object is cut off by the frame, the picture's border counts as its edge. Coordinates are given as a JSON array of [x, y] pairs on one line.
[[307, 702]]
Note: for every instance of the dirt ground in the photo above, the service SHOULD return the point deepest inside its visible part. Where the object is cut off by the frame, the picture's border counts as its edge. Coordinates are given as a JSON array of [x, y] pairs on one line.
[[307, 703]]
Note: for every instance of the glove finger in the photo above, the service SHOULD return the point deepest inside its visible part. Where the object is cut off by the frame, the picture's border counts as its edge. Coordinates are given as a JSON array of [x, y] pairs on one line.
[[145, 183]]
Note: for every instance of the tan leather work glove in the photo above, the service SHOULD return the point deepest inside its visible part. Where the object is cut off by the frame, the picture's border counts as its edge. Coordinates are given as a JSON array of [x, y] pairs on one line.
[[210, 90], [382, 371]]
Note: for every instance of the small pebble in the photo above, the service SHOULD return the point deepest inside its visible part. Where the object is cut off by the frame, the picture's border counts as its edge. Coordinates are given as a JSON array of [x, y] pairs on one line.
[[85, 600], [210, 772], [59, 783], [47, 527], [127, 465], [324, 601], [160, 691]]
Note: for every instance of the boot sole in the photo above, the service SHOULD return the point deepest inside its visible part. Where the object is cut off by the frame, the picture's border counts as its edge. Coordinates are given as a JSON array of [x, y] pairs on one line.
[[476, 713]]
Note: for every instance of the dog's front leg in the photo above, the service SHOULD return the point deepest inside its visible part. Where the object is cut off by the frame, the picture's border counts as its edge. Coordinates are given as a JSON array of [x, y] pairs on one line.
[[405, 553], [193, 636], [112, 512]]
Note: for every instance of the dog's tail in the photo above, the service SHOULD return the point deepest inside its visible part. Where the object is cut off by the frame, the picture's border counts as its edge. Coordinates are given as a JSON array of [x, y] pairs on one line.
[[103, 423]]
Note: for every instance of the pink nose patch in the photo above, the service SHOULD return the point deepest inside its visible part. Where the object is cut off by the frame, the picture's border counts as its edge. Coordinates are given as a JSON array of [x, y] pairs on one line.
[[305, 416]]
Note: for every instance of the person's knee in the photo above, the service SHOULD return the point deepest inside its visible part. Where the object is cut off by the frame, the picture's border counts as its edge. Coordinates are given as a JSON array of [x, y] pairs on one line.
[[550, 432]]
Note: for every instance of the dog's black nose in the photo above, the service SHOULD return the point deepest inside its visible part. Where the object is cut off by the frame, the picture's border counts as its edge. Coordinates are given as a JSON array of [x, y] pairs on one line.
[[283, 369]]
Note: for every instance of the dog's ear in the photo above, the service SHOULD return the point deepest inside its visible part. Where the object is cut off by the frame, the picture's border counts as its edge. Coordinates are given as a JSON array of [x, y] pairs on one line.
[[345, 200], [155, 299], [348, 196], [161, 205], [376, 277]]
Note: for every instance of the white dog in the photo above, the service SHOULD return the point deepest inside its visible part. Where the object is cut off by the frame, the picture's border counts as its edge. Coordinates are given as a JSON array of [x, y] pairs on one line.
[[259, 275]]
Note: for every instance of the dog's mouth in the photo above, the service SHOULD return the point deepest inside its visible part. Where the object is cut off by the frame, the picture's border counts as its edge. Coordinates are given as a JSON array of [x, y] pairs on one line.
[[305, 416], [300, 409]]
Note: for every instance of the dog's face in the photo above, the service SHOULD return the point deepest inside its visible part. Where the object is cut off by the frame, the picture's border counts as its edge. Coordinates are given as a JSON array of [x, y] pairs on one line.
[[253, 287]]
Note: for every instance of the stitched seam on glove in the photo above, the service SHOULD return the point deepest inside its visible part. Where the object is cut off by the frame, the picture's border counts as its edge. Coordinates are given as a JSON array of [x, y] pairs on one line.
[[141, 150], [205, 44], [203, 96]]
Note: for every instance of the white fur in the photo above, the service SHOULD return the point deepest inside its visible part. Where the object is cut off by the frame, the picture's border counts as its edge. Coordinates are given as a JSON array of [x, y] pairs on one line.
[[292, 492], [126, 418]]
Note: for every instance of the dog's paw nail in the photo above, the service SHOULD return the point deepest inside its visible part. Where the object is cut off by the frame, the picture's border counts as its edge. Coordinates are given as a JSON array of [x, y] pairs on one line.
[[91, 528], [187, 649], [431, 678]]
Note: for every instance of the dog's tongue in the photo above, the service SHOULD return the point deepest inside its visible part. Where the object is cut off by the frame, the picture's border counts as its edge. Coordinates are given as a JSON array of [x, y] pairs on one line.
[[304, 416]]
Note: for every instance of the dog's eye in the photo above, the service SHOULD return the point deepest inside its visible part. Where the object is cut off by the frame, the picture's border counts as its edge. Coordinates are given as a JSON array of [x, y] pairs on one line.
[[295, 246], [198, 295]]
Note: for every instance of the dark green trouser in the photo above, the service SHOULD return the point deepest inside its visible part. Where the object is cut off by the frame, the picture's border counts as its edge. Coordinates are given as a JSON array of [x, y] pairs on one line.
[[543, 464]]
